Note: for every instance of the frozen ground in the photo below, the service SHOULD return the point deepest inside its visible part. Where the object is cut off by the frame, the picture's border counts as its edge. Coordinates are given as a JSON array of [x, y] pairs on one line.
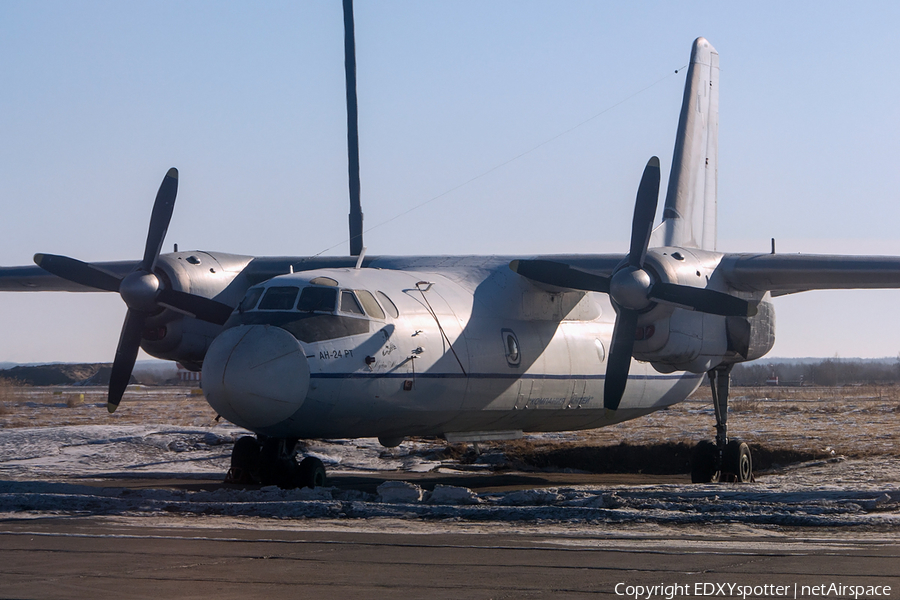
[[85, 469]]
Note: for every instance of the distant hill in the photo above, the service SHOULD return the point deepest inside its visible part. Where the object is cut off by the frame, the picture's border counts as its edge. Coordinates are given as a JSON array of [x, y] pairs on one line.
[[150, 372], [56, 374], [810, 360], [790, 371]]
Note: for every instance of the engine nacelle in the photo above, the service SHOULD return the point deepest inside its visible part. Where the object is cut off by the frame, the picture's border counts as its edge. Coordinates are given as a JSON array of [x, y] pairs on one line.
[[679, 339], [171, 335], [750, 338], [684, 341]]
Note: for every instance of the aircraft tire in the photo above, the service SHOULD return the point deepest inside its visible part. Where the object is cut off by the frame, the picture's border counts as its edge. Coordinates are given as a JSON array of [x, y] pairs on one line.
[[703, 463], [244, 461], [737, 462], [312, 472], [289, 476], [277, 468]]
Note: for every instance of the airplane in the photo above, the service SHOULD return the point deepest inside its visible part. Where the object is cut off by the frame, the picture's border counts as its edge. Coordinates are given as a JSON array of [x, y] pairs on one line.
[[465, 348]]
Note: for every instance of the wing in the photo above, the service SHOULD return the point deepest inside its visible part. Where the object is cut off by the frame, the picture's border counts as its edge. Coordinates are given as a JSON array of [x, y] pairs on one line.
[[783, 274], [35, 279]]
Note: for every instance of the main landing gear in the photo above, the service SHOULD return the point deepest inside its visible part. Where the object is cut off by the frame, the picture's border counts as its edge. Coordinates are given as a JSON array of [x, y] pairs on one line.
[[724, 460], [272, 461]]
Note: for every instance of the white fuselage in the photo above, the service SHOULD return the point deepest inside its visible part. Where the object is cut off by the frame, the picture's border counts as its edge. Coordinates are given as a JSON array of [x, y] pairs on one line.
[[471, 348]]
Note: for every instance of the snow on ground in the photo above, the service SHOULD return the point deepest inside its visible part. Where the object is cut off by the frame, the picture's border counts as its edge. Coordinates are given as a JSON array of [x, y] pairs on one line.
[[54, 470], [62, 454]]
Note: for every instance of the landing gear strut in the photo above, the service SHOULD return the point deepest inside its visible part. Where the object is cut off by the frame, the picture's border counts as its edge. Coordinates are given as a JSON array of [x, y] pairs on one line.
[[724, 460], [272, 461]]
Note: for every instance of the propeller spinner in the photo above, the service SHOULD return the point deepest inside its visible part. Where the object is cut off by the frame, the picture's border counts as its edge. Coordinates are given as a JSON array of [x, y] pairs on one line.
[[141, 289], [632, 288]]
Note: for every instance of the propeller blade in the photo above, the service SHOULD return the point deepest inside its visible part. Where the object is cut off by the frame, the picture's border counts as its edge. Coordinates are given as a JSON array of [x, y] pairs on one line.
[[703, 300], [203, 308], [560, 275], [644, 213], [619, 361], [126, 355], [74, 270], [159, 219]]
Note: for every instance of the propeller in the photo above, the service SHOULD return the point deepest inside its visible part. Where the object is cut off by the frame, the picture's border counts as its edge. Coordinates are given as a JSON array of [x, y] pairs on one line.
[[629, 287], [140, 289], [632, 289]]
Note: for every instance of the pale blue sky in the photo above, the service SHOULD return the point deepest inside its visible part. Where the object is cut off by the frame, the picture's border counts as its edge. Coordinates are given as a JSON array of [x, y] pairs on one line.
[[99, 99]]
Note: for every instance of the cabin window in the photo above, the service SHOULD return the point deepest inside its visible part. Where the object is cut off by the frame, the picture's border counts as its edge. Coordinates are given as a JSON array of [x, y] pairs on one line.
[[388, 305], [279, 298], [511, 346], [317, 299], [250, 299], [370, 304]]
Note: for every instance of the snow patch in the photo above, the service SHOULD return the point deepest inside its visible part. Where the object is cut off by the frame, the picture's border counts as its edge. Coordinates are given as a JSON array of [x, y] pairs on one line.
[[399, 492], [449, 494], [45, 470]]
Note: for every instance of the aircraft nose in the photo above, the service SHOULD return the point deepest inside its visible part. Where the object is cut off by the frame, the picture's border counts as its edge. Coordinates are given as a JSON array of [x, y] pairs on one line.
[[255, 375]]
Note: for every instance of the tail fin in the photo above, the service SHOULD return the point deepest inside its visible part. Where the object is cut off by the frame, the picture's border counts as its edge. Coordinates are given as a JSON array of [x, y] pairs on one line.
[[689, 217]]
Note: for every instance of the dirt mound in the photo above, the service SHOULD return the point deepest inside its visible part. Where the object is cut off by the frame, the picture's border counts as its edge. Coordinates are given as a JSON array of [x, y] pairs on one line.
[[101, 377], [665, 458]]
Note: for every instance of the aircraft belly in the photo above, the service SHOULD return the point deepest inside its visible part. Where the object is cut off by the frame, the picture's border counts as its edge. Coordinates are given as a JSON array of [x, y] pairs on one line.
[[330, 411], [308, 424]]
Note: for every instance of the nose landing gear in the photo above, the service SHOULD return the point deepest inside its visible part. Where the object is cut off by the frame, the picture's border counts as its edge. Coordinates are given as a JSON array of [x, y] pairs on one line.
[[724, 460], [272, 461]]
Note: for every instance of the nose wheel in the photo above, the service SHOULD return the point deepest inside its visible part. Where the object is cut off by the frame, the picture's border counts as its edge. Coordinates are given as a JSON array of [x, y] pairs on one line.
[[272, 461], [723, 460]]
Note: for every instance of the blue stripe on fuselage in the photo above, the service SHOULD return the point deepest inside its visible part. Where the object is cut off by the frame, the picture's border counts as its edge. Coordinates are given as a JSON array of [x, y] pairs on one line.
[[357, 375]]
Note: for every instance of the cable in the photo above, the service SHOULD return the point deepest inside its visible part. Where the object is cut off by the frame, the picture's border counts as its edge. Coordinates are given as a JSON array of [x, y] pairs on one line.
[[508, 161], [438, 321]]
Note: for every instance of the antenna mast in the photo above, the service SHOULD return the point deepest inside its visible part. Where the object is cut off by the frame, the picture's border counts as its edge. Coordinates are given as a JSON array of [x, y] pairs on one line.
[[356, 216]]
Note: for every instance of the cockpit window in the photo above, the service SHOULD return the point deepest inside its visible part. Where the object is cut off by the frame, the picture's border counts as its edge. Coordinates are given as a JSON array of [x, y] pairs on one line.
[[250, 299], [279, 298], [349, 303], [388, 305], [370, 304], [314, 319], [317, 299]]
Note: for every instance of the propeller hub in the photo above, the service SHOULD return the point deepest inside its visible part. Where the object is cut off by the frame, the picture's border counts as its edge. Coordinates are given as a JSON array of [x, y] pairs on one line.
[[139, 290], [630, 288]]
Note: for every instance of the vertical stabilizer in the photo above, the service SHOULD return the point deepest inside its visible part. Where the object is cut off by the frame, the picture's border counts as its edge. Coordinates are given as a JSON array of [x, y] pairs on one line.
[[689, 217]]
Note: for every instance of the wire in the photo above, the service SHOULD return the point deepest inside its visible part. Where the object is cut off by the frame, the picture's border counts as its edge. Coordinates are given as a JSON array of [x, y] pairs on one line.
[[510, 160], [438, 321]]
